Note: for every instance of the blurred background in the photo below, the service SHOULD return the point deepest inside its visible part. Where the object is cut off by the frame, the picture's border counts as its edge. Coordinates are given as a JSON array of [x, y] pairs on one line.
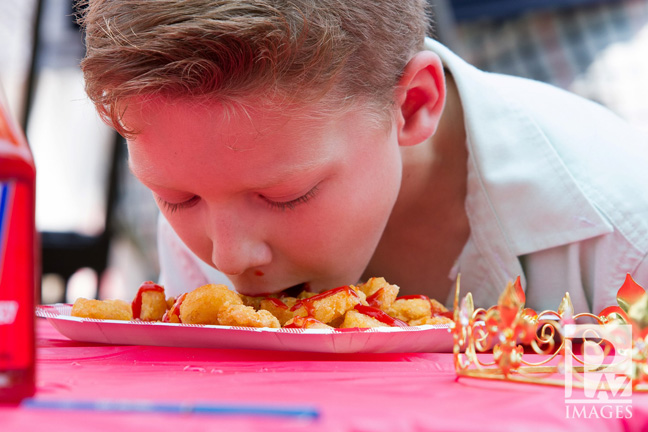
[[97, 223]]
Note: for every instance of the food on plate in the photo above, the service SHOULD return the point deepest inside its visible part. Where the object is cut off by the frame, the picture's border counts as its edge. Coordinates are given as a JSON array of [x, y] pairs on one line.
[[241, 315], [380, 294], [415, 307], [280, 308], [202, 305], [171, 301], [431, 320], [172, 315], [306, 323], [102, 309], [149, 303], [252, 301], [329, 306], [368, 317], [374, 303]]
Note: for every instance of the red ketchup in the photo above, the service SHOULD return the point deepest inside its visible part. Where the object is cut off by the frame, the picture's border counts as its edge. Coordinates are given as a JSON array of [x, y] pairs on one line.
[[19, 262], [302, 322], [373, 299], [175, 309], [308, 303], [137, 302], [415, 297], [278, 303], [380, 316]]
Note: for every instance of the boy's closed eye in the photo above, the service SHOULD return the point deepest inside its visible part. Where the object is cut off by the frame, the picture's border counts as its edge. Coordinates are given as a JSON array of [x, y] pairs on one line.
[[290, 204], [274, 203], [172, 207]]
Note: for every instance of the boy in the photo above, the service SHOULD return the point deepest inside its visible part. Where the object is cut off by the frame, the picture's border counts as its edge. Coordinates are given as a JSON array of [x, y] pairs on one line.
[[305, 144]]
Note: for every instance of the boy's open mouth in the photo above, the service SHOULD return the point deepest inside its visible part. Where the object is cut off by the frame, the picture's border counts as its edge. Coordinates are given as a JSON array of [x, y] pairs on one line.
[[294, 290]]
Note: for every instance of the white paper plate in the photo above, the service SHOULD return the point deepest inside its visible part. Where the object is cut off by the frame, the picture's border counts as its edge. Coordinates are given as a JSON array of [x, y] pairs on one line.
[[429, 338]]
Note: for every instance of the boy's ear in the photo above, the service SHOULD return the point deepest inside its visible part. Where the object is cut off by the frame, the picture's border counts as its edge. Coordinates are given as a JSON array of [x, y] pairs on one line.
[[420, 97]]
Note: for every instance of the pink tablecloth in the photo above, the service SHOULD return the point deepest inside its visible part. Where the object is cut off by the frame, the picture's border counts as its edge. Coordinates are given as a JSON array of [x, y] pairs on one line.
[[346, 392]]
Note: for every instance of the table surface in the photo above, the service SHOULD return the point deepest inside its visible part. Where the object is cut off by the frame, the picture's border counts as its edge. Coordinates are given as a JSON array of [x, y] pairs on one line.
[[182, 389]]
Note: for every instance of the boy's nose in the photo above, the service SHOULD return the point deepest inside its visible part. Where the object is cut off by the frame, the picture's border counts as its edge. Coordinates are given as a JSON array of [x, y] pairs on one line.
[[236, 246]]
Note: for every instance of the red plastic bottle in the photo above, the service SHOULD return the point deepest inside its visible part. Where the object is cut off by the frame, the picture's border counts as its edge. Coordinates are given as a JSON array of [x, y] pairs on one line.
[[18, 271]]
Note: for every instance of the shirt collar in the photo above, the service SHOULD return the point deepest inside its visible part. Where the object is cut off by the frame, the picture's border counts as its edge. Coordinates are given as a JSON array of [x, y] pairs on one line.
[[521, 196]]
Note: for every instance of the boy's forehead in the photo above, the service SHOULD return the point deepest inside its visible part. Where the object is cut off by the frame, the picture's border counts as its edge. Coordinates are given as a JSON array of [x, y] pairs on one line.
[[252, 117], [150, 172], [179, 132]]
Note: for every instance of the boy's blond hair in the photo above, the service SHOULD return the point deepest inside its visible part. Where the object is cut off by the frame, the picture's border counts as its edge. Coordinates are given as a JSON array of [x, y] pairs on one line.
[[300, 51]]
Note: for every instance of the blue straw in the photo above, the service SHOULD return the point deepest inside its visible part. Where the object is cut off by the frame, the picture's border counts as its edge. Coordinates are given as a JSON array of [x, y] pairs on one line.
[[172, 408]]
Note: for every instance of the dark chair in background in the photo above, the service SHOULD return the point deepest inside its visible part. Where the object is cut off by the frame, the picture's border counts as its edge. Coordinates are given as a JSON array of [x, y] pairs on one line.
[[64, 253]]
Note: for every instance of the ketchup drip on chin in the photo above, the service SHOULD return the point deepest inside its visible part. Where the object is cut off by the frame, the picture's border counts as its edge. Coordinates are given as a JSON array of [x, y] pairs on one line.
[[136, 305]]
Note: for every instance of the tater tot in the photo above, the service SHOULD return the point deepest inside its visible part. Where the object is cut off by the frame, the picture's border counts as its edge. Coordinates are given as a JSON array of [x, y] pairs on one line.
[[277, 308], [202, 305], [289, 301], [410, 309], [380, 294], [149, 303], [170, 302], [246, 316], [306, 323], [431, 320], [305, 294], [329, 305], [154, 306], [172, 315], [415, 307], [252, 301], [361, 295], [102, 309], [437, 307], [355, 319]]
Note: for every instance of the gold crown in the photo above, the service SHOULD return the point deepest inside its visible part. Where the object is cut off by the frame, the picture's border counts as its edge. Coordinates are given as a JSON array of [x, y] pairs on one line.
[[499, 342]]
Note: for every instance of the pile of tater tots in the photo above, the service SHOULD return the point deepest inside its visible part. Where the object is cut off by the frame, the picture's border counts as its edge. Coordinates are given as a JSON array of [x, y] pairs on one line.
[[374, 303]]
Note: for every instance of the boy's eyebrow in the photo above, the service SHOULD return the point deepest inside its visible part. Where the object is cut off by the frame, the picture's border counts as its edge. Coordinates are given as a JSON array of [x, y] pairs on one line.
[[294, 171], [279, 177]]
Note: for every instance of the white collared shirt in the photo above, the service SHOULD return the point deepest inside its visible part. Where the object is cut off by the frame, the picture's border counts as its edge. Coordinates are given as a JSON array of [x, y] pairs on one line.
[[557, 194]]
